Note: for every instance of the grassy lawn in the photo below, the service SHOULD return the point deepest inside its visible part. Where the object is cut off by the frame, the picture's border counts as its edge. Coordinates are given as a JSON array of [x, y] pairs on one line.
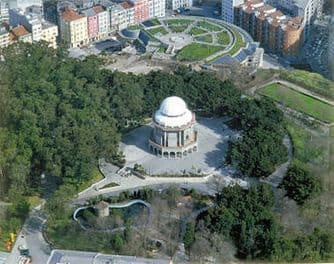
[[112, 184], [178, 21], [311, 81], [205, 38], [208, 26], [97, 176], [196, 51], [161, 49], [157, 30], [34, 200], [134, 27], [196, 31], [178, 28], [299, 102], [223, 38], [239, 43], [154, 22], [306, 146]]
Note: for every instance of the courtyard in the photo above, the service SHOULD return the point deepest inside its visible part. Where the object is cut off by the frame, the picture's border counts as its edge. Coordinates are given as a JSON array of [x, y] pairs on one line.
[[213, 138]]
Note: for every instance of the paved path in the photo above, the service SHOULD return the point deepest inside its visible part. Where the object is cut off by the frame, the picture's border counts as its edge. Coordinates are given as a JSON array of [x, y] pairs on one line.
[[277, 176], [31, 236]]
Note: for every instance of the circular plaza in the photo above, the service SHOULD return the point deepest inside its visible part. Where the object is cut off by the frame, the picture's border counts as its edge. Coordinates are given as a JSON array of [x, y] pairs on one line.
[[212, 144], [190, 38]]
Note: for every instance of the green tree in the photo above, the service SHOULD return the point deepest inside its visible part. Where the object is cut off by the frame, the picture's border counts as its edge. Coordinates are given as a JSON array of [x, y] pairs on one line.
[[299, 183], [189, 236]]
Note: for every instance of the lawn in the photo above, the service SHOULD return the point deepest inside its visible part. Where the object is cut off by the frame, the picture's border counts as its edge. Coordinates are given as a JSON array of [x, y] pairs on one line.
[[238, 44], [311, 81], [223, 38], [178, 21], [209, 26], [157, 30], [152, 22], [197, 31], [196, 51], [134, 27], [306, 146], [300, 102], [96, 176], [205, 38], [178, 28]]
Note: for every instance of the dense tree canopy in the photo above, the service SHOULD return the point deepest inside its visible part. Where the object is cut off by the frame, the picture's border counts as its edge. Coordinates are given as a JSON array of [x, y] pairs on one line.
[[63, 114], [247, 217], [299, 183]]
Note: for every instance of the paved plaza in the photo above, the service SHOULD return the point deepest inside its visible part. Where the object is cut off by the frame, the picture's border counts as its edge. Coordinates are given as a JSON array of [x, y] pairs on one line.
[[213, 137]]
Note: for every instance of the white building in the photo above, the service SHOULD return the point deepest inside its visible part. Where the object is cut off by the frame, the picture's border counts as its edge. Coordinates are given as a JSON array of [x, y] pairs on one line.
[[23, 4], [175, 4], [174, 134], [103, 21], [31, 22], [228, 9], [157, 8], [4, 11], [49, 34], [4, 37], [73, 28]]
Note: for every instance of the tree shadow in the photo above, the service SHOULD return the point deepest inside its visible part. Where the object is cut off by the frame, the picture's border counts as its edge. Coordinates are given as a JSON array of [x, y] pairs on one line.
[[138, 137]]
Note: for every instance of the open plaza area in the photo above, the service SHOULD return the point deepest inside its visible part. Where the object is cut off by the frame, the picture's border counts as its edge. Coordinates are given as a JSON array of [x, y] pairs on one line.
[[213, 138]]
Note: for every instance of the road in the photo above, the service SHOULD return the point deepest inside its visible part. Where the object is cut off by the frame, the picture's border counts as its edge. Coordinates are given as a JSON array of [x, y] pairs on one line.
[[31, 236]]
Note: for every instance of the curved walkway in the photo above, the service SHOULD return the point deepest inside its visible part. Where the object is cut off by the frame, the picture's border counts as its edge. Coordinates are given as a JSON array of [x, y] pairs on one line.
[[115, 206]]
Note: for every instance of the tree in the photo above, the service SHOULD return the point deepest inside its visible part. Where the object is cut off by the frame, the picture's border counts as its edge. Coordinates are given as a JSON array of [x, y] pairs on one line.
[[258, 152], [299, 183], [189, 236], [117, 242]]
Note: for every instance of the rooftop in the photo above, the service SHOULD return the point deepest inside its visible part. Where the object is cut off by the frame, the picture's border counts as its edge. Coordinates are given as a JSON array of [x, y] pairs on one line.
[[19, 31], [126, 5], [70, 15]]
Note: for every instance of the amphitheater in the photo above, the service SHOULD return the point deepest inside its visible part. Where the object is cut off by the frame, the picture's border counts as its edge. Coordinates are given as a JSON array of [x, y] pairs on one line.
[[195, 39]]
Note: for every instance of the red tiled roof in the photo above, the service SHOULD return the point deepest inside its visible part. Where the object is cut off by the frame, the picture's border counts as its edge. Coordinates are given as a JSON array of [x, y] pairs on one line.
[[70, 15], [126, 5], [98, 9], [19, 31]]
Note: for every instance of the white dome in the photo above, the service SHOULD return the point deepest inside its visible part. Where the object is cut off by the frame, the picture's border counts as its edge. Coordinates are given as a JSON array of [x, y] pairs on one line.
[[173, 106], [173, 112]]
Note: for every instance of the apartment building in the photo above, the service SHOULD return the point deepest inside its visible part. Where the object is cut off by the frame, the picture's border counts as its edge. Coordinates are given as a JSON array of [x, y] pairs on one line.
[[73, 28], [31, 22], [141, 10], [176, 4], [49, 33], [4, 37], [103, 20], [34, 24], [92, 24], [309, 10], [20, 33], [157, 8], [228, 9], [277, 32], [129, 13], [117, 17], [4, 11]]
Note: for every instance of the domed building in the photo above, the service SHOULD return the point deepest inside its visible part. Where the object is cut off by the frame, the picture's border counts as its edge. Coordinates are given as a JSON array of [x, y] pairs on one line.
[[173, 134]]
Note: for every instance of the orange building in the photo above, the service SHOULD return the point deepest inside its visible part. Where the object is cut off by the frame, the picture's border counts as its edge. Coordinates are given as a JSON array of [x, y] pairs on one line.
[[275, 31]]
